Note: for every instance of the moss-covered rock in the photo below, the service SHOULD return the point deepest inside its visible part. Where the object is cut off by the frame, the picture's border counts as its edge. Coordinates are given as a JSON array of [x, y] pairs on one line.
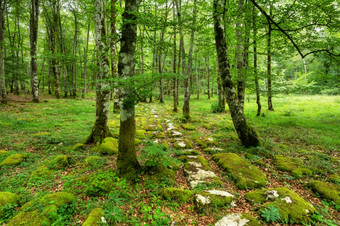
[[246, 175], [109, 146], [32, 218], [152, 127], [292, 208], [95, 217], [155, 134], [335, 178], [188, 126], [162, 174], [187, 152], [187, 160], [13, 160], [292, 165], [78, 147], [41, 172], [140, 134], [213, 150], [214, 198], [95, 161], [183, 144], [3, 152], [237, 219], [177, 194], [205, 142], [59, 162], [58, 199], [7, 198], [326, 190]]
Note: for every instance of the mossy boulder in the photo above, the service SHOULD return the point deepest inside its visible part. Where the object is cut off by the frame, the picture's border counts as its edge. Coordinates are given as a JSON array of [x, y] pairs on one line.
[[180, 144], [13, 160], [95, 161], [162, 174], [187, 160], [214, 198], [292, 165], [212, 150], [326, 190], [205, 142], [188, 127], [78, 147], [335, 178], [177, 194], [140, 134], [246, 175], [95, 217], [3, 152], [152, 127], [59, 162], [109, 146], [32, 218], [237, 219], [7, 198], [187, 152], [41, 172], [58, 199], [292, 208]]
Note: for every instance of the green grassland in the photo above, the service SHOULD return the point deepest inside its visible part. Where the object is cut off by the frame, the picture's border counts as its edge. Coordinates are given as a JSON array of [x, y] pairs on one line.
[[306, 128]]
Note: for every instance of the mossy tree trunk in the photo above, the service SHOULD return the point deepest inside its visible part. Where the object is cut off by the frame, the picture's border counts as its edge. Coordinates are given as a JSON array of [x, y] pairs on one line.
[[246, 133], [3, 92], [100, 129], [127, 163], [113, 53]]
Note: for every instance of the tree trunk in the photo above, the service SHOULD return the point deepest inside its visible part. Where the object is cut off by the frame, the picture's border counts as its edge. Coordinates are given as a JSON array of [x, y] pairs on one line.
[[85, 58], [3, 92], [75, 52], [246, 133], [198, 78], [240, 70], [100, 129], [33, 43], [208, 75], [257, 87], [127, 163], [269, 65], [174, 59], [113, 54]]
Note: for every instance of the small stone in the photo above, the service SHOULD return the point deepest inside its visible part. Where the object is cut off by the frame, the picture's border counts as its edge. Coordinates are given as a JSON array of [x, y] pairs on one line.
[[233, 203], [220, 193], [182, 144], [195, 164], [234, 219], [201, 200], [287, 199], [272, 194], [170, 126], [176, 133]]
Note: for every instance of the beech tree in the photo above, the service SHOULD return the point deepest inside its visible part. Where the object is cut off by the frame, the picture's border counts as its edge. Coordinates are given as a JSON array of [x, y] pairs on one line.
[[3, 5], [33, 42]]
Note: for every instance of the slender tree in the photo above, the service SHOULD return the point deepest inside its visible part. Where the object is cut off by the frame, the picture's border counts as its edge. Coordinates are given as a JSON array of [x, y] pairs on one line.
[[127, 163], [257, 87], [100, 129], [269, 64], [33, 42], [3, 92]]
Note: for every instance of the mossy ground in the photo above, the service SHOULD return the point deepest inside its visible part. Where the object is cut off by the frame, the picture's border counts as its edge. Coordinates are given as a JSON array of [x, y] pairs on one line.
[[302, 127]]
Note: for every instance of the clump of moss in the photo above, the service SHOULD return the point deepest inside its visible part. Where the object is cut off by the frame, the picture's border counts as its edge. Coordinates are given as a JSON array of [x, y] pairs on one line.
[[114, 124], [335, 178], [29, 218], [292, 165], [326, 190], [161, 175], [204, 142], [58, 199], [197, 158], [42, 134], [3, 152], [41, 172], [152, 127], [155, 134], [95, 161], [78, 147], [187, 152], [216, 198], [292, 208], [140, 134], [109, 146], [246, 175], [188, 126], [213, 150], [95, 217], [7, 198], [177, 194], [59, 162], [13, 160], [183, 144]]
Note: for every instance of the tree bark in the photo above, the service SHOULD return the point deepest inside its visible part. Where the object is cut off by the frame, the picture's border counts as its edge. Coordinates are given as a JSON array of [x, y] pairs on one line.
[[246, 133], [257, 87], [269, 65], [85, 58], [127, 163], [174, 59], [113, 53], [75, 52], [3, 92], [100, 129], [208, 75], [33, 42]]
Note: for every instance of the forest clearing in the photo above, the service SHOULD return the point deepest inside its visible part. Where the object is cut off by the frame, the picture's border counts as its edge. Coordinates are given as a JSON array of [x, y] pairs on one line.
[[169, 112]]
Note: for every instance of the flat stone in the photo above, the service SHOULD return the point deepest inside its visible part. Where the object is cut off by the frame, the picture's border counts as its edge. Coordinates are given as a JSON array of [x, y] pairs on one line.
[[220, 193], [201, 200], [175, 133], [195, 164], [201, 174], [170, 126], [234, 219]]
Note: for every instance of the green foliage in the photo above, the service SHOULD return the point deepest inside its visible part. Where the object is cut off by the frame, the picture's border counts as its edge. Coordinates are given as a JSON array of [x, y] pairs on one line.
[[112, 211], [216, 108], [270, 214]]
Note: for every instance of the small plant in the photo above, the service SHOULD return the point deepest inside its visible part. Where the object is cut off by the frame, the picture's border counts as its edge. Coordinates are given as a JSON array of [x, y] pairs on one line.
[[215, 108], [270, 214], [113, 213], [7, 212]]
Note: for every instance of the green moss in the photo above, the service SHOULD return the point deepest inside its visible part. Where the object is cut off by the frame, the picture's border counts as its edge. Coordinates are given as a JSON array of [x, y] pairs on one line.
[[292, 208], [3, 152], [183, 144], [95, 161], [42, 134], [197, 158], [140, 134], [292, 165], [246, 175], [188, 127], [7, 198], [212, 150], [78, 147], [58, 199], [13, 160], [177, 194], [335, 178], [114, 124], [59, 162], [187, 152], [41, 172], [109, 146], [137, 141], [204, 142], [326, 190], [29, 218], [95, 217], [163, 175], [217, 200], [151, 127]]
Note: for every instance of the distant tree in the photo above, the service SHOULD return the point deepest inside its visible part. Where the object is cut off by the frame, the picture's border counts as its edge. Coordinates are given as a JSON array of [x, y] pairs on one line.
[[3, 92], [33, 43]]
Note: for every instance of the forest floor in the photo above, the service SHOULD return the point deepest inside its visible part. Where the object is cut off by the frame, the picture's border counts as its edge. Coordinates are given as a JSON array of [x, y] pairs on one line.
[[303, 131]]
